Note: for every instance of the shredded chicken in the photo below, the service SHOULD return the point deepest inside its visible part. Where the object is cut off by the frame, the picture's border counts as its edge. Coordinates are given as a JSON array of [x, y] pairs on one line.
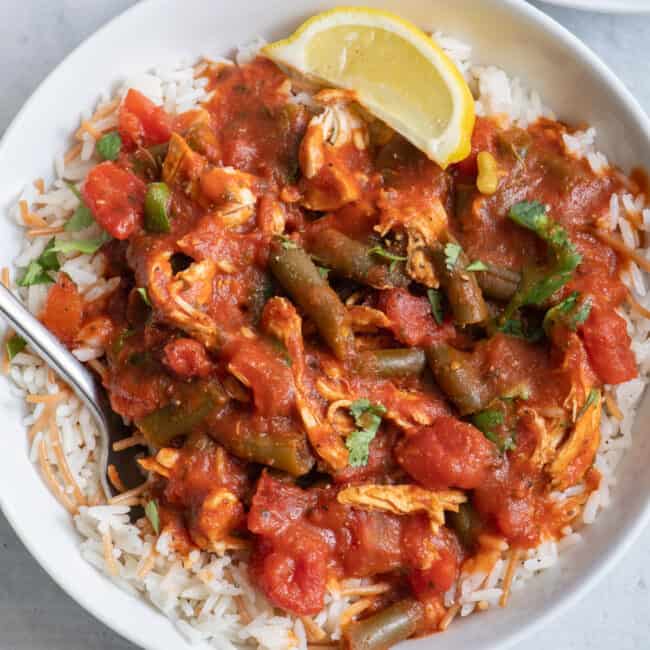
[[404, 500], [577, 453], [423, 228], [282, 321], [330, 180]]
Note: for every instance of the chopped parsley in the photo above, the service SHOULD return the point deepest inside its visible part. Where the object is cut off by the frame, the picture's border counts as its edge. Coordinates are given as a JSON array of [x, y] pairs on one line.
[[151, 512], [452, 253], [518, 329], [88, 246], [287, 243], [476, 265], [82, 217], [323, 272], [38, 270], [592, 398], [367, 417], [570, 312], [540, 282], [487, 422], [380, 251], [144, 295], [15, 345], [435, 300], [109, 145]]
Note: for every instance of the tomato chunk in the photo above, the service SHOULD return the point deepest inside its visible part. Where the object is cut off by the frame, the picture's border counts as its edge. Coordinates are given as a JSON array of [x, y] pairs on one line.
[[63, 310], [608, 347], [443, 571], [116, 199], [187, 358], [449, 453], [258, 365], [142, 123], [412, 321], [289, 560]]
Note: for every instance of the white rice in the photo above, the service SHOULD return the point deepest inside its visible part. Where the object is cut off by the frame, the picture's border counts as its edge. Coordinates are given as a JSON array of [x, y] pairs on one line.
[[210, 598]]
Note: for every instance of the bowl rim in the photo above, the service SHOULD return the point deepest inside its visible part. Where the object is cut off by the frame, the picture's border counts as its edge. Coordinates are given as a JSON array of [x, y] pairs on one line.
[[583, 583], [603, 6]]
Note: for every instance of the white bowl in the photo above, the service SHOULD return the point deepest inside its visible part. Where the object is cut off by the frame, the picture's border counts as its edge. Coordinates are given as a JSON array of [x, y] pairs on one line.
[[508, 33], [605, 6]]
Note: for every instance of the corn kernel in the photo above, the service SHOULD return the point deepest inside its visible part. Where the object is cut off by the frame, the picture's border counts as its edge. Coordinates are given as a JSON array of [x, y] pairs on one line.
[[488, 173]]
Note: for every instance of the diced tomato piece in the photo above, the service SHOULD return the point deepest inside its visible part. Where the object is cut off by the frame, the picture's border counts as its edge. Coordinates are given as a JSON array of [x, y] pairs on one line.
[[292, 571], [187, 358], [443, 572], [482, 140], [63, 310], [449, 453], [608, 347], [412, 321], [276, 504], [116, 199], [142, 123], [289, 562], [266, 372]]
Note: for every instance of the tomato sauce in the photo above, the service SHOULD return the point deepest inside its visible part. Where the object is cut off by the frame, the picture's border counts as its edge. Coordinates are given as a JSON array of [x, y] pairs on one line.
[[265, 435]]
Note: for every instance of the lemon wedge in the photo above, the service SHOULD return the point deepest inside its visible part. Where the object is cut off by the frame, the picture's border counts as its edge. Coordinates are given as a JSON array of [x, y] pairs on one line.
[[398, 73]]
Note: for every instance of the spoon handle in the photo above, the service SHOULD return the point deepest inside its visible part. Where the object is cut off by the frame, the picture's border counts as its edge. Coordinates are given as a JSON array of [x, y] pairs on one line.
[[72, 371]]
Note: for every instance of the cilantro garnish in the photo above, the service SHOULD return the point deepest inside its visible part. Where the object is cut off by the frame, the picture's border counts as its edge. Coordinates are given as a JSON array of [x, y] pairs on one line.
[[367, 417], [476, 265], [570, 312], [380, 251], [82, 217], [487, 422], [15, 345], [452, 253], [151, 512], [37, 271], [145, 296], [435, 300]]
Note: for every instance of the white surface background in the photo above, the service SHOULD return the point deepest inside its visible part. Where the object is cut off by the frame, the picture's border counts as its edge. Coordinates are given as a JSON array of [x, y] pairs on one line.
[[34, 613]]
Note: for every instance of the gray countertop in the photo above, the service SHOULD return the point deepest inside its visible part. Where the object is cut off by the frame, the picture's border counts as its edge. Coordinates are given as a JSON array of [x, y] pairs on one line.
[[34, 613]]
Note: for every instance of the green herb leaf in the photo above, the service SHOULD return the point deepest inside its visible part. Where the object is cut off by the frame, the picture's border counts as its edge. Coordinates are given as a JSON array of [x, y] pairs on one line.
[[367, 416], [570, 312], [380, 251], [476, 265], [15, 345], [109, 145], [145, 296], [488, 419], [88, 246], [48, 258], [287, 243], [323, 272], [592, 398], [118, 343], [516, 328], [75, 190], [452, 253], [540, 282], [82, 218], [151, 512], [435, 300], [35, 274], [486, 422]]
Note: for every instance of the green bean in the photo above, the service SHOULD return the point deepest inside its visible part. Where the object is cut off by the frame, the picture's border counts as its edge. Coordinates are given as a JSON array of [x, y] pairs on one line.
[[156, 208], [498, 282], [463, 293], [400, 362], [287, 451], [180, 417], [466, 523], [458, 378], [353, 259], [300, 278], [386, 628]]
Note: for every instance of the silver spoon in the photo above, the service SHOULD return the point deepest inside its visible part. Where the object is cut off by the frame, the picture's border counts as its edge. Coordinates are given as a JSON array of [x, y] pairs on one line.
[[73, 372]]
